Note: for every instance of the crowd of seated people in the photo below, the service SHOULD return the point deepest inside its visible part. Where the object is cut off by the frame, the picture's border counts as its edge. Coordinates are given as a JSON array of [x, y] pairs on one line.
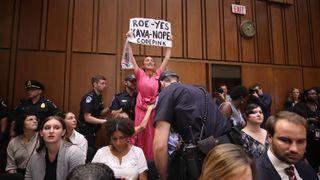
[[51, 147]]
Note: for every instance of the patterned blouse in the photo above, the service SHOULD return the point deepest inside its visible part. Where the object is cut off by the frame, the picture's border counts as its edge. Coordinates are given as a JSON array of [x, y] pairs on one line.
[[253, 147]]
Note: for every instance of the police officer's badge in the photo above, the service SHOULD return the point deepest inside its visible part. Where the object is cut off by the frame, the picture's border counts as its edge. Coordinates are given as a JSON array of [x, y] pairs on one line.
[[43, 105], [88, 99]]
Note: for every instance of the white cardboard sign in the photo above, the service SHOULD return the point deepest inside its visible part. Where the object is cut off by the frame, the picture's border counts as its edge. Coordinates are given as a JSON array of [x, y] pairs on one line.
[[150, 32]]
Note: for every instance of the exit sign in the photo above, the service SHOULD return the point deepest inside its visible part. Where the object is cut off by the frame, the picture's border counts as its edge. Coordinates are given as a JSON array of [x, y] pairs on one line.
[[238, 9]]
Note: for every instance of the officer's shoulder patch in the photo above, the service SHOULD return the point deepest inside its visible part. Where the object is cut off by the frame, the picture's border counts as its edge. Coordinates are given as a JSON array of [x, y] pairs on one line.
[[88, 99]]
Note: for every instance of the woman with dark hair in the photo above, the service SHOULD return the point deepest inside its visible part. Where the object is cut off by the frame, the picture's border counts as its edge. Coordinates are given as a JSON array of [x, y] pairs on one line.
[[293, 98], [126, 160], [54, 158], [310, 109], [254, 137], [233, 110], [71, 134], [147, 86], [21, 148]]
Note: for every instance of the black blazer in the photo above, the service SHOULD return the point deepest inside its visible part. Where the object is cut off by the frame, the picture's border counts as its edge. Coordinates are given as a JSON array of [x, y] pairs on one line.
[[266, 170]]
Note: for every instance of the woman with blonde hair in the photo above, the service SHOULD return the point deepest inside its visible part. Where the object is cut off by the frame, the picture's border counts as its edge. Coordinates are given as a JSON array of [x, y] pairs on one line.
[[227, 162]]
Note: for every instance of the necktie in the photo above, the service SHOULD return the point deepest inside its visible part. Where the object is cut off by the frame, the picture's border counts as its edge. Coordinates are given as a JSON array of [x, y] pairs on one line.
[[290, 172]]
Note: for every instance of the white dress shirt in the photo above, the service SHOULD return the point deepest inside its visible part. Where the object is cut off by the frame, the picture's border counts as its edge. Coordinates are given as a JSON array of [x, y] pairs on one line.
[[80, 141], [280, 166]]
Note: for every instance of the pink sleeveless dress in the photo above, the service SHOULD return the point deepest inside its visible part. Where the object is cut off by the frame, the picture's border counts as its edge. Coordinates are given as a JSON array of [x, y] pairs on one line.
[[147, 93]]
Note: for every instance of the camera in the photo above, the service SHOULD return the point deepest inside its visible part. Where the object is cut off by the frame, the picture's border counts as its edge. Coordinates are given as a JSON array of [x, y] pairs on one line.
[[220, 90], [252, 91]]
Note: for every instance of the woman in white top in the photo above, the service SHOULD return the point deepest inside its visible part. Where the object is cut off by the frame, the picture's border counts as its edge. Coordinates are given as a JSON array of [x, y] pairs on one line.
[[72, 135], [21, 147], [126, 160]]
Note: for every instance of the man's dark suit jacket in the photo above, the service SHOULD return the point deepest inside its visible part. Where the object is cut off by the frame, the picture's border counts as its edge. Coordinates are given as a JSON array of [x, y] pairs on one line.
[[266, 170]]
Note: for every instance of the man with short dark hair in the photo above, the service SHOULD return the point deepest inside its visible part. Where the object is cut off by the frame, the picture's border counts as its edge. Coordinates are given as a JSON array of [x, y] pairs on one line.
[[123, 103], [264, 100], [36, 104], [92, 112], [287, 135], [188, 111]]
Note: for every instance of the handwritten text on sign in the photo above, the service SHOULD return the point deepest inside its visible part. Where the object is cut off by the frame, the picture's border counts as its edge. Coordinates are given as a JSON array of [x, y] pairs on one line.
[[150, 32]]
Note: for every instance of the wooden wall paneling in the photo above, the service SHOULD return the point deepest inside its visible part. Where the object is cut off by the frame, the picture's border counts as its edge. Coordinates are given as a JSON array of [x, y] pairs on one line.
[[30, 24], [277, 34], [304, 29], [262, 35], [56, 36], [130, 9], [213, 24], [281, 85], [83, 66], [291, 36], [46, 67], [83, 25], [247, 44], [315, 24], [6, 19], [107, 26], [311, 77], [153, 9], [194, 29], [189, 72], [231, 48], [174, 15], [253, 74], [4, 72]]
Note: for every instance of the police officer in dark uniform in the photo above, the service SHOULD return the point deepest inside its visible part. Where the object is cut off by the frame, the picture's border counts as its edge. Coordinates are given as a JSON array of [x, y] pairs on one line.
[[190, 112], [3, 120], [123, 103], [92, 112], [36, 104]]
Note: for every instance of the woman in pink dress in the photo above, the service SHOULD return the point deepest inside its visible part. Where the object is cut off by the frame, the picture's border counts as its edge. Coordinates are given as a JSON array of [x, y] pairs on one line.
[[147, 87]]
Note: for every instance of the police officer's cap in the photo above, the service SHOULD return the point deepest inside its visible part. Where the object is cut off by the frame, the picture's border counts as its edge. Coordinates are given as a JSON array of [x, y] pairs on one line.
[[166, 74], [130, 77], [33, 84]]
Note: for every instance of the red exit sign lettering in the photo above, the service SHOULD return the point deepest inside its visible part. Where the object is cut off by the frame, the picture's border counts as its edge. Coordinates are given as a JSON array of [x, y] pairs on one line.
[[238, 9]]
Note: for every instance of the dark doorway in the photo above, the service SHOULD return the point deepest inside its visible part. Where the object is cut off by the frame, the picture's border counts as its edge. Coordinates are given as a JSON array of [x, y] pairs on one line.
[[225, 74]]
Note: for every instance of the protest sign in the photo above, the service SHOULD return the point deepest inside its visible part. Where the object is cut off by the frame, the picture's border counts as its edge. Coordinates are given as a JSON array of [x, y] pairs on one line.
[[150, 32]]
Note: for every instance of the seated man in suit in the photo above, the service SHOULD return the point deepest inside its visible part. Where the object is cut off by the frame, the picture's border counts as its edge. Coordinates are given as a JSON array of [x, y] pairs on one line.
[[287, 135]]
